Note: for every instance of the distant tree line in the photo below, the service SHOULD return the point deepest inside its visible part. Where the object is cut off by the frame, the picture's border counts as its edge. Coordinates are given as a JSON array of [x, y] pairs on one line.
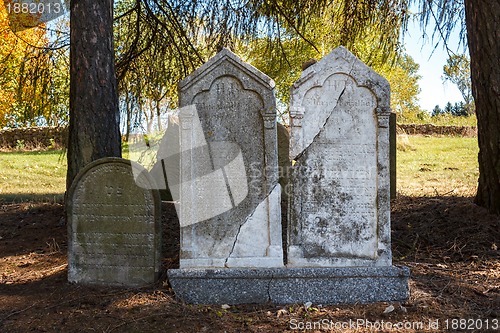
[[459, 109]]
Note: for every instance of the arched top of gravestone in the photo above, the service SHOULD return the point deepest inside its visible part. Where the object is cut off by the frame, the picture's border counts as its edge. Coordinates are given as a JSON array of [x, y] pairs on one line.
[[338, 81], [226, 63], [114, 225], [341, 61], [140, 174]]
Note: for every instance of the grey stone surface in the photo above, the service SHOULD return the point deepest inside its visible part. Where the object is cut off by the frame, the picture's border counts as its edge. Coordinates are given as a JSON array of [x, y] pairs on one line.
[[167, 167], [229, 192], [284, 162], [339, 212], [113, 225], [346, 285], [393, 153]]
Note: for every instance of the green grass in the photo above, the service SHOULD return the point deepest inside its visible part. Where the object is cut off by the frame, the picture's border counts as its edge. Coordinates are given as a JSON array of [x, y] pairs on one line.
[[39, 176], [429, 166]]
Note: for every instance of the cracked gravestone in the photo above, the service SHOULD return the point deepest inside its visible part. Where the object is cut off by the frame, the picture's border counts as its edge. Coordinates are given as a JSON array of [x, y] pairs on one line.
[[339, 211], [229, 211], [229, 191], [340, 205], [113, 225]]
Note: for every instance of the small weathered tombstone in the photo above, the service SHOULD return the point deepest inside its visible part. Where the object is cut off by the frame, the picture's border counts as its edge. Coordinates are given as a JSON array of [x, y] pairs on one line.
[[114, 235], [229, 210], [339, 212]]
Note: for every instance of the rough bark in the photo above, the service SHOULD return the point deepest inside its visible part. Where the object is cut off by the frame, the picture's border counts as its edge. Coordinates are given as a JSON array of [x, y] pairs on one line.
[[483, 30], [94, 119]]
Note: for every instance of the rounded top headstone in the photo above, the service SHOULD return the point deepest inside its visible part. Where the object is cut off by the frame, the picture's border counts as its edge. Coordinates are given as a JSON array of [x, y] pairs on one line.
[[113, 225]]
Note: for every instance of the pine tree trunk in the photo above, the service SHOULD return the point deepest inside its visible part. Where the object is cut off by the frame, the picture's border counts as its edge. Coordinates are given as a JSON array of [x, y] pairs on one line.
[[483, 30], [94, 130]]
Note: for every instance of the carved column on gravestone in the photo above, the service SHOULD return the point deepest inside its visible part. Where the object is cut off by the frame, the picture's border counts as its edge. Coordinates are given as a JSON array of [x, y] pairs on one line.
[[383, 113], [186, 117]]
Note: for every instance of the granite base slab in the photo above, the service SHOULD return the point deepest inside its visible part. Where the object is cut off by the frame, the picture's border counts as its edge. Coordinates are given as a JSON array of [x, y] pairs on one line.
[[340, 285]]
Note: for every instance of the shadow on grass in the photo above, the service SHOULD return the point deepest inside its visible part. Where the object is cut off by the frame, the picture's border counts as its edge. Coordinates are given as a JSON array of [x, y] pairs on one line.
[[440, 228], [451, 247]]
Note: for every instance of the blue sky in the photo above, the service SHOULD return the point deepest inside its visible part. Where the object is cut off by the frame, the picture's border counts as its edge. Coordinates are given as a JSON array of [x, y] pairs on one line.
[[433, 90]]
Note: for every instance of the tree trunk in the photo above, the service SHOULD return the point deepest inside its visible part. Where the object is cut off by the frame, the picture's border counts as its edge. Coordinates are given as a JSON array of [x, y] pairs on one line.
[[94, 130], [158, 114], [483, 33]]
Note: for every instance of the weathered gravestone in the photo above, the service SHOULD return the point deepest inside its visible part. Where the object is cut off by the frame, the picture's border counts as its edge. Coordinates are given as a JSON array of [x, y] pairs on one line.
[[339, 231], [166, 170], [230, 213], [113, 225], [340, 182]]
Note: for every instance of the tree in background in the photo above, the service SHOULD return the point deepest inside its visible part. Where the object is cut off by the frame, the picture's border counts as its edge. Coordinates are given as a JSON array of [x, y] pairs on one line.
[[483, 25], [223, 23], [459, 109], [94, 117], [479, 23], [436, 111], [28, 92], [147, 82], [403, 77], [144, 29], [457, 71], [448, 108], [321, 38]]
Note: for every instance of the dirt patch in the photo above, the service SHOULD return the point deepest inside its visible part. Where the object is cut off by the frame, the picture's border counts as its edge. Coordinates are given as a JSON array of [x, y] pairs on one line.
[[450, 244]]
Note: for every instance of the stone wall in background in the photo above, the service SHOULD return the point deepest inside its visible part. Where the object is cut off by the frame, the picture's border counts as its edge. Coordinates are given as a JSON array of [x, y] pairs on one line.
[[34, 137], [40, 137], [429, 129]]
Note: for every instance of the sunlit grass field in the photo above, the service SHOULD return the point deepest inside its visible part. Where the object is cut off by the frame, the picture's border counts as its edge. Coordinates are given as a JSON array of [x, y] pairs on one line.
[[37, 175], [437, 166], [426, 166]]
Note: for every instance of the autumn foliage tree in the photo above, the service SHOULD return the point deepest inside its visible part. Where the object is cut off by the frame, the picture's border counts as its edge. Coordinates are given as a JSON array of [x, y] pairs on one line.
[[457, 71], [27, 76]]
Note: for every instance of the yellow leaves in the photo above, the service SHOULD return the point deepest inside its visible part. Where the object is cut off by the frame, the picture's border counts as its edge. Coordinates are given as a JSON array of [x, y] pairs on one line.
[[15, 49]]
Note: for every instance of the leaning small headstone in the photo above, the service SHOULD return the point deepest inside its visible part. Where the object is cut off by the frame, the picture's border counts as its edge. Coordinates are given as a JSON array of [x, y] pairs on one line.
[[114, 235]]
